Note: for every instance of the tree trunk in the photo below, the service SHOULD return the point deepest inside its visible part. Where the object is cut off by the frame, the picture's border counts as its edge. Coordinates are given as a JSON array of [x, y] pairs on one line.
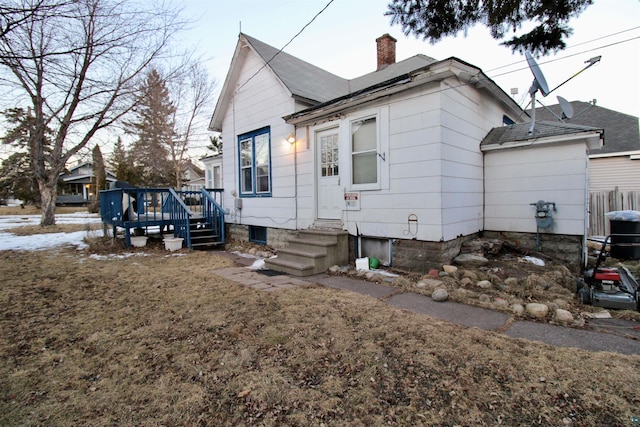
[[48, 194]]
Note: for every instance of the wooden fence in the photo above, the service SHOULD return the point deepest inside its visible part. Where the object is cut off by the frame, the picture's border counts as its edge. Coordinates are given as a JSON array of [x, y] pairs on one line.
[[601, 202]]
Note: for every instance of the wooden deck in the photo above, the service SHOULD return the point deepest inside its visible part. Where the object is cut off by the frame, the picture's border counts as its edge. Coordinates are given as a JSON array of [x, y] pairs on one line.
[[195, 216]]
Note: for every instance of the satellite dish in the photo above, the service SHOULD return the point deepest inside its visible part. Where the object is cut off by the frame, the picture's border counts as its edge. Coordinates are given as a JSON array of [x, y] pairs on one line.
[[566, 107], [539, 83]]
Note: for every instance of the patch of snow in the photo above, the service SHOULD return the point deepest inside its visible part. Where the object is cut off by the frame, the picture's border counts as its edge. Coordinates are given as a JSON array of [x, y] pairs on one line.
[[9, 241], [534, 260], [258, 264]]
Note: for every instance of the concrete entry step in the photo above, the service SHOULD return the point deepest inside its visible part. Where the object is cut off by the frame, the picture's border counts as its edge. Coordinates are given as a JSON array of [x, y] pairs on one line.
[[312, 251]]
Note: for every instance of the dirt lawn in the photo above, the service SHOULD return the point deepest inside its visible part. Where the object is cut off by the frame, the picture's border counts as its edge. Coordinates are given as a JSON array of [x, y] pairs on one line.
[[109, 336]]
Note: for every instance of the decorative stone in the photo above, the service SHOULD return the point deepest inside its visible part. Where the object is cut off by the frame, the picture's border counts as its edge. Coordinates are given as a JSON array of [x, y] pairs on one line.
[[451, 269], [517, 308], [484, 284], [434, 273], [440, 295], [469, 260], [465, 281], [334, 268], [563, 316], [537, 310], [484, 298]]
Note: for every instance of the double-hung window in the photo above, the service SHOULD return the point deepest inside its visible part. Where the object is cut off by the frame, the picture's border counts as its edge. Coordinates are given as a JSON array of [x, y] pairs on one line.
[[255, 163], [364, 152]]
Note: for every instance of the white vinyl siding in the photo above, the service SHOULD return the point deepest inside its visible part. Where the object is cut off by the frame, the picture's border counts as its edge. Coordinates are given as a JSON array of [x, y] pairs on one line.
[[516, 178], [607, 173]]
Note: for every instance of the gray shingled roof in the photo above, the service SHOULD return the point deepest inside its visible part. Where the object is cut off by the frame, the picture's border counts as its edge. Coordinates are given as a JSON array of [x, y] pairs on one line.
[[305, 81], [390, 72], [542, 129], [621, 129]]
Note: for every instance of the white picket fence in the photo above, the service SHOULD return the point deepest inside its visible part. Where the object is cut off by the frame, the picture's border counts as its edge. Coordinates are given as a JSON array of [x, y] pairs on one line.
[[601, 202]]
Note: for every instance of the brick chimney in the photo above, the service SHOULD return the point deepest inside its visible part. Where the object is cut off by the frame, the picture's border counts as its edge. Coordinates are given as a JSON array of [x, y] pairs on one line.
[[386, 51]]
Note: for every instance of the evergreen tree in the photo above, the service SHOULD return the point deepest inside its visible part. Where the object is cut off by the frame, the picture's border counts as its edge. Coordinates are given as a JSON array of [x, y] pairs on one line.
[[99, 170], [17, 180], [434, 19], [153, 128]]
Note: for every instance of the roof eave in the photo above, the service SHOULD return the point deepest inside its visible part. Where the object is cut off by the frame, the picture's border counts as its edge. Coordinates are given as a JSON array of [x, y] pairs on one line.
[[593, 140]]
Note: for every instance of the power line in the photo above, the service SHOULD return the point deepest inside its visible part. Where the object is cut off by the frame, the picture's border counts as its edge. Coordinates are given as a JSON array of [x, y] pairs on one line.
[[564, 57], [287, 44]]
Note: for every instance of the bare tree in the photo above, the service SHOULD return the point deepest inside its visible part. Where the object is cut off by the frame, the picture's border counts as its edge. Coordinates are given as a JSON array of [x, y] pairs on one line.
[[192, 94], [77, 70]]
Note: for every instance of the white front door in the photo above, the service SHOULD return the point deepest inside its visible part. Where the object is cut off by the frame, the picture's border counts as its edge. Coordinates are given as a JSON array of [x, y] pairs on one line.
[[330, 197]]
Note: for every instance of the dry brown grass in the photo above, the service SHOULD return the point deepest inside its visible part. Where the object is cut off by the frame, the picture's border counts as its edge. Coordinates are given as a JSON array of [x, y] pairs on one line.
[[33, 210], [30, 230], [160, 340]]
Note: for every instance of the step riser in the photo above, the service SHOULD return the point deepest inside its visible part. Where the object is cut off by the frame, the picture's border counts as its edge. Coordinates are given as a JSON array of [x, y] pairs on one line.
[[320, 249]]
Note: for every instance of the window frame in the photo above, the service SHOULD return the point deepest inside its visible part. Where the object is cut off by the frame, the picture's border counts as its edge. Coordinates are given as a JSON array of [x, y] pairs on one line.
[[379, 173], [253, 167]]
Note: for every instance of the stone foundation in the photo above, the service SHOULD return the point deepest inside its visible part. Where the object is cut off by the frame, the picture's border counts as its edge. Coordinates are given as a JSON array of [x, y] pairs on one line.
[[419, 257], [276, 237], [565, 248]]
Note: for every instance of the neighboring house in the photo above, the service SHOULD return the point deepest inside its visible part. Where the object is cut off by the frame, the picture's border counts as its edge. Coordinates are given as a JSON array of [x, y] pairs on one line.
[[192, 177], [78, 185], [213, 171], [614, 169], [389, 164]]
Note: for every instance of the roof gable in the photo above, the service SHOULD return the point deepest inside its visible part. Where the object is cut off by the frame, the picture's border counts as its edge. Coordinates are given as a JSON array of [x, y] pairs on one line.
[[305, 81], [318, 88]]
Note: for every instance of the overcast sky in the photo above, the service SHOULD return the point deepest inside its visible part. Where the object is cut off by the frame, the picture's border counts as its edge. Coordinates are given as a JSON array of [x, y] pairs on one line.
[[342, 41]]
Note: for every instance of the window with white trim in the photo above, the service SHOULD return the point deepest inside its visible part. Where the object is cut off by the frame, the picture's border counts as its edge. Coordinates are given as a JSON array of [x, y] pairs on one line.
[[255, 163], [364, 152]]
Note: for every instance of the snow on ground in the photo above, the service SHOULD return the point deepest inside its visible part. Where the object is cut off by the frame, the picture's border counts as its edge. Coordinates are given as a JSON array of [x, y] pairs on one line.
[[9, 241]]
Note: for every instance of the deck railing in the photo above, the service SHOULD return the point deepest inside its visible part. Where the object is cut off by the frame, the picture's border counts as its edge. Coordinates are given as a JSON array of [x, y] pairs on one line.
[[140, 208]]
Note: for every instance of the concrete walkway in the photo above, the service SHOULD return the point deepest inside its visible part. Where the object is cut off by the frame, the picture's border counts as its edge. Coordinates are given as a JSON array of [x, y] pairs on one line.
[[613, 335]]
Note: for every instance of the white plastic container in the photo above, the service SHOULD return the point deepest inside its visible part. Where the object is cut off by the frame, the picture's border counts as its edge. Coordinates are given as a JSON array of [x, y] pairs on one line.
[[138, 241], [173, 243]]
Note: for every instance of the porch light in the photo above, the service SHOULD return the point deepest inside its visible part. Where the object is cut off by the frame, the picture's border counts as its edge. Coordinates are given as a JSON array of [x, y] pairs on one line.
[[291, 139]]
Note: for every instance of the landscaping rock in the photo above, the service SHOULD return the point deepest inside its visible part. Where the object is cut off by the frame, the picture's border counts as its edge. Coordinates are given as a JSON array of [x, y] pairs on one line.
[[451, 269], [465, 281], [563, 316], [517, 308], [537, 310], [440, 295], [484, 284], [468, 260]]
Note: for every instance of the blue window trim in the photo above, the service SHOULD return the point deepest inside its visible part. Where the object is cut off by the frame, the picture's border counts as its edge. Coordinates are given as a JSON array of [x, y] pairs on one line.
[[252, 135]]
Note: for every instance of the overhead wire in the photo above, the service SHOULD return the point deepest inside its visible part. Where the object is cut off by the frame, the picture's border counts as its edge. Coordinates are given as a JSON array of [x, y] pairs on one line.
[[287, 44]]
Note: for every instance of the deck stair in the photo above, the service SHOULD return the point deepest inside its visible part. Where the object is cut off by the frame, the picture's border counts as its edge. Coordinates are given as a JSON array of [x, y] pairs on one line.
[[203, 234], [311, 251]]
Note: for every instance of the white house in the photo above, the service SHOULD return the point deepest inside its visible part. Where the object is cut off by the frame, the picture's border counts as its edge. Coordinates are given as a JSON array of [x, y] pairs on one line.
[[388, 163]]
